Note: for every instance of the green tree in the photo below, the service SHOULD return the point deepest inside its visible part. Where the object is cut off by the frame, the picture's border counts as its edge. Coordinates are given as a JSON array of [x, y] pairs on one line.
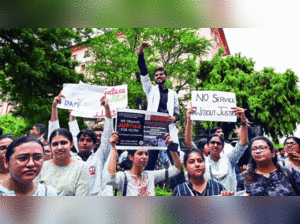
[[13, 125], [116, 59], [271, 98], [34, 64]]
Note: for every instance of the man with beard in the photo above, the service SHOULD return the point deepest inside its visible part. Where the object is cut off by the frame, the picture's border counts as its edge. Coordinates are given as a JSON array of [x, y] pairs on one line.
[[160, 99]]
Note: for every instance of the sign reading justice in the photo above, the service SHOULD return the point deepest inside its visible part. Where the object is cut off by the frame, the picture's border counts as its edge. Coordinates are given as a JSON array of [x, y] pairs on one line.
[[84, 99], [213, 106], [139, 129]]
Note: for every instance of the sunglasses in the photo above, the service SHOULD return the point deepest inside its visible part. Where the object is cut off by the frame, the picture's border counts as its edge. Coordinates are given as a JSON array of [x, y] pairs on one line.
[[213, 143]]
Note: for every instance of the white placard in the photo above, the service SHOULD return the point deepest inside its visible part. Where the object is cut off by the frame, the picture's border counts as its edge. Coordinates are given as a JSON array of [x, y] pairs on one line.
[[84, 99], [213, 106]]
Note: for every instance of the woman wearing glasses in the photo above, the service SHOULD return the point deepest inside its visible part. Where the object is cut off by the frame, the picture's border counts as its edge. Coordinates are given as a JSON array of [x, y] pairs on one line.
[[291, 146], [220, 167], [264, 176], [67, 175], [25, 159]]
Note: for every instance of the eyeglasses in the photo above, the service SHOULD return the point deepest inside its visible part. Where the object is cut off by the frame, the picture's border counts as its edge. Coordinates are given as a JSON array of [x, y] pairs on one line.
[[261, 148], [290, 143], [213, 143], [3, 147], [24, 159]]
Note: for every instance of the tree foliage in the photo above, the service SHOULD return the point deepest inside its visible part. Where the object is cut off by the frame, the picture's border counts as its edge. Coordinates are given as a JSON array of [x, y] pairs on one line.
[[271, 98], [13, 125], [116, 59], [34, 64]]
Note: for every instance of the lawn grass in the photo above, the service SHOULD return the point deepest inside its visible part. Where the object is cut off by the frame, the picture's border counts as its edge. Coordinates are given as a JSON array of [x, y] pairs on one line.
[[159, 191]]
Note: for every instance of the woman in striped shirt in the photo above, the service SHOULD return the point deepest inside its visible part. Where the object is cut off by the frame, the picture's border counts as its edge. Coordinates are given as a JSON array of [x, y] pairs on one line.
[[197, 185]]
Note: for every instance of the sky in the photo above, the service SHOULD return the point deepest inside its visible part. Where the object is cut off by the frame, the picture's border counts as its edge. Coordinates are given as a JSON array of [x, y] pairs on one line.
[[268, 47]]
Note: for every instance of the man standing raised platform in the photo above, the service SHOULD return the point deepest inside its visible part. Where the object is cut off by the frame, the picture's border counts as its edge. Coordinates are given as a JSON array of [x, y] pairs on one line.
[[159, 99]]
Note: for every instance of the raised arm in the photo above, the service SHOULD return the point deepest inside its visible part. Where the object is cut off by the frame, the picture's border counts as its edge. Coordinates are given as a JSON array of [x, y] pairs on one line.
[[113, 156], [188, 128], [57, 100], [104, 102], [176, 159], [54, 123], [141, 61], [241, 146], [74, 129], [244, 130], [104, 149]]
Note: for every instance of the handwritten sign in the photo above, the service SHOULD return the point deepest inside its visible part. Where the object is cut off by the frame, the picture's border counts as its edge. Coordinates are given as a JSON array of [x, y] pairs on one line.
[[213, 106], [84, 99], [138, 129]]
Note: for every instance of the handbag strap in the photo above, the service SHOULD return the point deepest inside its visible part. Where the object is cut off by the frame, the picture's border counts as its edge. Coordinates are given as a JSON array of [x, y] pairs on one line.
[[125, 185], [167, 174]]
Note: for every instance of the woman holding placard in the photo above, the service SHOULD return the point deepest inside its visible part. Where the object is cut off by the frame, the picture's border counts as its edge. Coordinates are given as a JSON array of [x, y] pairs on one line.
[[137, 182], [220, 167]]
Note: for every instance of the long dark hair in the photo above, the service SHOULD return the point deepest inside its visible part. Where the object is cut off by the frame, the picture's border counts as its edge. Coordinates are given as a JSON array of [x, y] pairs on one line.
[[252, 164]]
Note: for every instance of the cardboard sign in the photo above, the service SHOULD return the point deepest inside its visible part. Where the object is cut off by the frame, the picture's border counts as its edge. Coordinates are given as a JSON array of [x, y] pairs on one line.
[[213, 106], [84, 99], [138, 129]]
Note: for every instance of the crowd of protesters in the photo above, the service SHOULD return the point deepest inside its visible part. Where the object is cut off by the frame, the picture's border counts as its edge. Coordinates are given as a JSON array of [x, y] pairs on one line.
[[61, 162]]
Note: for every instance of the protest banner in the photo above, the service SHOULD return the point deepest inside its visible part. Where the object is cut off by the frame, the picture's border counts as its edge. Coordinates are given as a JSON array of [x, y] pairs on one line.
[[84, 99], [139, 129], [213, 106]]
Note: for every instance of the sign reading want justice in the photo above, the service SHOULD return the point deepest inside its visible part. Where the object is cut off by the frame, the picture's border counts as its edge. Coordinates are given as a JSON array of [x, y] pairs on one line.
[[138, 129], [84, 99], [213, 106]]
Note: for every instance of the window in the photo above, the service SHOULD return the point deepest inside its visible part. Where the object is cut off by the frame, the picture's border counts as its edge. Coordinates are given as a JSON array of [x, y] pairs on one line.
[[74, 56]]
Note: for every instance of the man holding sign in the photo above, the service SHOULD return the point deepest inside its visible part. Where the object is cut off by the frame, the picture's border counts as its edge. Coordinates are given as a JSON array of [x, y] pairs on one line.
[[159, 98]]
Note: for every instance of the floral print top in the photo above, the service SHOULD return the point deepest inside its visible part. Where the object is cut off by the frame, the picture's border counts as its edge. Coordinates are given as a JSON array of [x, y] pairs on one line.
[[277, 184], [140, 187]]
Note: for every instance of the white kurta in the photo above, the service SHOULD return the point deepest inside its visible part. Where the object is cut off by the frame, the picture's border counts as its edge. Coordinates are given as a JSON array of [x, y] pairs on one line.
[[223, 171], [153, 98]]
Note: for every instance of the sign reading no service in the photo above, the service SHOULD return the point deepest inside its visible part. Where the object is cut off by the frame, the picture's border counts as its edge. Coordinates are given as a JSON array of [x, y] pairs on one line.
[[213, 106]]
